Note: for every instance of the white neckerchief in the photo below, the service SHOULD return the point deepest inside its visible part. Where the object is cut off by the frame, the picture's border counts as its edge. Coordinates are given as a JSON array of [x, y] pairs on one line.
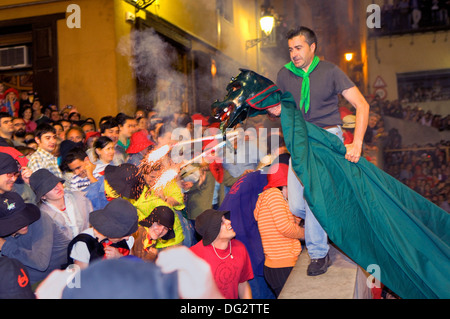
[[68, 214]]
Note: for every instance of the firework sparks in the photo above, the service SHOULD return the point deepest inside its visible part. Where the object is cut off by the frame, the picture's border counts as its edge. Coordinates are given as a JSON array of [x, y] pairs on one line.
[[172, 173], [157, 154], [208, 138], [205, 153], [166, 177]]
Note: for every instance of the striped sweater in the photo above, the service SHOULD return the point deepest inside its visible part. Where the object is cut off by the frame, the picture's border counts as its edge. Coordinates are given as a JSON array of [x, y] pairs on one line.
[[279, 229]]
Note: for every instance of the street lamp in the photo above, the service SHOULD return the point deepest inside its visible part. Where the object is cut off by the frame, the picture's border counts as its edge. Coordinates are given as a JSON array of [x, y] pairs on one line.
[[348, 56], [267, 23]]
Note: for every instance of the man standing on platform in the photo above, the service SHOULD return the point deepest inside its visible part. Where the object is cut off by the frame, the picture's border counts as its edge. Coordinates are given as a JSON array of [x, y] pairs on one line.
[[315, 86]]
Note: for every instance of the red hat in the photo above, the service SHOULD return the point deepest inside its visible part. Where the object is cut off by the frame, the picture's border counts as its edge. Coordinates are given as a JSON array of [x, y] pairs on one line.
[[92, 134], [277, 176], [200, 117], [12, 90], [18, 156], [138, 142]]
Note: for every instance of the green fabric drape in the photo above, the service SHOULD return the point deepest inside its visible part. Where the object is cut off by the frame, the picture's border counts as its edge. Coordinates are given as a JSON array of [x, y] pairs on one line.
[[372, 217]]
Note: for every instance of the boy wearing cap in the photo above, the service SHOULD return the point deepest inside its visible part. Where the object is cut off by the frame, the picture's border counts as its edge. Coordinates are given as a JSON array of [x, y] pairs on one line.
[[155, 232], [13, 166], [31, 237], [170, 195], [9, 171], [109, 237], [228, 258], [69, 210]]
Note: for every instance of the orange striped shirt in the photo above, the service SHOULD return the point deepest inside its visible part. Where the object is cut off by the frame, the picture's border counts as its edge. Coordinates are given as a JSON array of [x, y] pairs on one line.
[[279, 229]]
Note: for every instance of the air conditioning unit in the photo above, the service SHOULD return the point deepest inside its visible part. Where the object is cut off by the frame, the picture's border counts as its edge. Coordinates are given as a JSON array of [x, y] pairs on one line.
[[14, 57]]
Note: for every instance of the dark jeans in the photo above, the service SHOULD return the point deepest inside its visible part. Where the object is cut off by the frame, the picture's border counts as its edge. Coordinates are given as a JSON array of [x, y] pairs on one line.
[[276, 278]]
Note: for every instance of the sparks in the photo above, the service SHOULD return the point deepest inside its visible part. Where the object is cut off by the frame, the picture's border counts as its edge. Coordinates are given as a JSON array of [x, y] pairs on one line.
[[157, 154], [207, 138], [166, 177]]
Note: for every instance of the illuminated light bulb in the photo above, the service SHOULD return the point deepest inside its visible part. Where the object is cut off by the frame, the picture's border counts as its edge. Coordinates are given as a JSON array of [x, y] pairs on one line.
[[349, 57], [267, 23]]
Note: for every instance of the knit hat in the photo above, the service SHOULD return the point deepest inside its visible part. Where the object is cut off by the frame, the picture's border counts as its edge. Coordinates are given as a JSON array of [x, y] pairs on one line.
[[208, 224], [15, 213], [14, 282], [8, 164], [138, 142], [162, 215], [124, 278], [42, 181], [118, 219]]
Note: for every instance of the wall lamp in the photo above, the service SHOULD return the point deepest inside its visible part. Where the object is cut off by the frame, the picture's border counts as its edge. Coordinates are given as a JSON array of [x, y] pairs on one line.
[[348, 56], [267, 23]]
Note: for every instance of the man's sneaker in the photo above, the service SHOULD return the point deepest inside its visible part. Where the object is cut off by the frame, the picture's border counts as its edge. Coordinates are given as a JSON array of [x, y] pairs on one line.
[[318, 266]]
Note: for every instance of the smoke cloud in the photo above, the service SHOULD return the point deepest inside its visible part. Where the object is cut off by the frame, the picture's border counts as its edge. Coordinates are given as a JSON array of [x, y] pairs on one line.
[[152, 61]]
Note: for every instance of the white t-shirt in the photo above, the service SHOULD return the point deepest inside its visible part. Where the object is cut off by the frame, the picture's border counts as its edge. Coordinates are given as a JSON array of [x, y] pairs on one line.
[[80, 252]]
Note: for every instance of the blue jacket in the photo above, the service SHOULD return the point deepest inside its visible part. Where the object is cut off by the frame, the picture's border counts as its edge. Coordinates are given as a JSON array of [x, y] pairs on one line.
[[95, 192]]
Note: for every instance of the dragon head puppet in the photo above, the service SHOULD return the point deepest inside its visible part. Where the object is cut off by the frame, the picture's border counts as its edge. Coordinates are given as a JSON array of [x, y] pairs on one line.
[[243, 100]]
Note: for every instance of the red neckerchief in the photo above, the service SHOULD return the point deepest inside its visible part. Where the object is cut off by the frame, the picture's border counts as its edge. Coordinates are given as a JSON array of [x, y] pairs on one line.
[[217, 171], [107, 242], [109, 198]]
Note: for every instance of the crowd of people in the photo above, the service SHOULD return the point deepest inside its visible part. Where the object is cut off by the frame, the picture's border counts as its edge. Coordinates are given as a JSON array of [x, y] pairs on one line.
[[424, 168], [404, 110], [80, 193], [410, 15]]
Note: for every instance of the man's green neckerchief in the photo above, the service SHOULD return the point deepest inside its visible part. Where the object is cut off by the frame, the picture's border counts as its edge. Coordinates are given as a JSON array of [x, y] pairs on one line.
[[305, 98]]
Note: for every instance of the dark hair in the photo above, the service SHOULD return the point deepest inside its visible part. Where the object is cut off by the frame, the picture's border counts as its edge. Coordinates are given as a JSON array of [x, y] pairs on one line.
[[72, 155], [105, 118], [184, 119], [58, 123], [102, 141], [310, 36], [90, 121], [108, 124], [163, 129], [44, 128], [72, 115], [121, 118], [5, 114], [25, 107]]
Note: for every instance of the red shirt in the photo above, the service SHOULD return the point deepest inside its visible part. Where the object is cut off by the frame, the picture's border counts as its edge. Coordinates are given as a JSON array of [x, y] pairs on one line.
[[227, 272]]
